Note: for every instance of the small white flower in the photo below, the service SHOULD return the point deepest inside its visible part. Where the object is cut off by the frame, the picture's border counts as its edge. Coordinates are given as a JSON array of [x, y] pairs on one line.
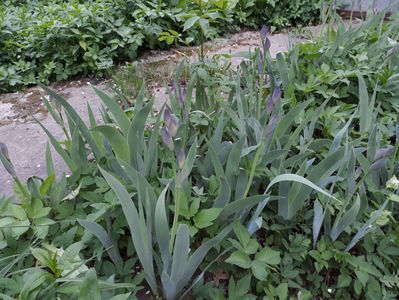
[[393, 183]]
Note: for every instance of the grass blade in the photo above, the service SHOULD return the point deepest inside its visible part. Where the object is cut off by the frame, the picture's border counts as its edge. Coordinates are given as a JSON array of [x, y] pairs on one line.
[[119, 115], [188, 165], [233, 162], [105, 239], [116, 140], [76, 118], [65, 156], [143, 247], [363, 104], [348, 218], [317, 221], [49, 160], [162, 229]]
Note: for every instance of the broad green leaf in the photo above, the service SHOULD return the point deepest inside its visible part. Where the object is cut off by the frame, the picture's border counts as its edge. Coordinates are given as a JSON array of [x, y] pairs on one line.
[[282, 291], [241, 289], [35, 280], [224, 195], [242, 233], [344, 280], [47, 184], [83, 45], [18, 212], [268, 256], [121, 296], [37, 210], [259, 269], [89, 288], [362, 276], [45, 258], [206, 217], [239, 258], [190, 22], [41, 227]]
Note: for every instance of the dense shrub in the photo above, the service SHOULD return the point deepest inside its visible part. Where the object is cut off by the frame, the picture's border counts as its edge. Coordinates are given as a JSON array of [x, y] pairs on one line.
[[42, 41]]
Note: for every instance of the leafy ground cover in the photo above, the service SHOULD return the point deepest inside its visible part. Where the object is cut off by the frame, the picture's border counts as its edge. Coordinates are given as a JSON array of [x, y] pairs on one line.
[[43, 41], [278, 181]]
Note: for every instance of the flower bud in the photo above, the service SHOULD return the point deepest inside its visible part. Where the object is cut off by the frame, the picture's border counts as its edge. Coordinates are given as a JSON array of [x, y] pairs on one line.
[[266, 45], [4, 150], [166, 117], [180, 101], [7, 164], [271, 125], [358, 171], [384, 152], [276, 95], [269, 105], [170, 122], [167, 139], [397, 130], [260, 63], [174, 88], [378, 164], [181, 159], [263, 33]]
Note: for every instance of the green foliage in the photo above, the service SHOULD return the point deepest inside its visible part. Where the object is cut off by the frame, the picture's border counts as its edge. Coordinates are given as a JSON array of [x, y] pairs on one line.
[[279, 175], [279, 14], [43, 41]]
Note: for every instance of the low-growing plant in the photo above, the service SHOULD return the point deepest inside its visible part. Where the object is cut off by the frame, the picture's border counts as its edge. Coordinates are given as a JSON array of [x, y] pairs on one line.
[[239, 177]]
